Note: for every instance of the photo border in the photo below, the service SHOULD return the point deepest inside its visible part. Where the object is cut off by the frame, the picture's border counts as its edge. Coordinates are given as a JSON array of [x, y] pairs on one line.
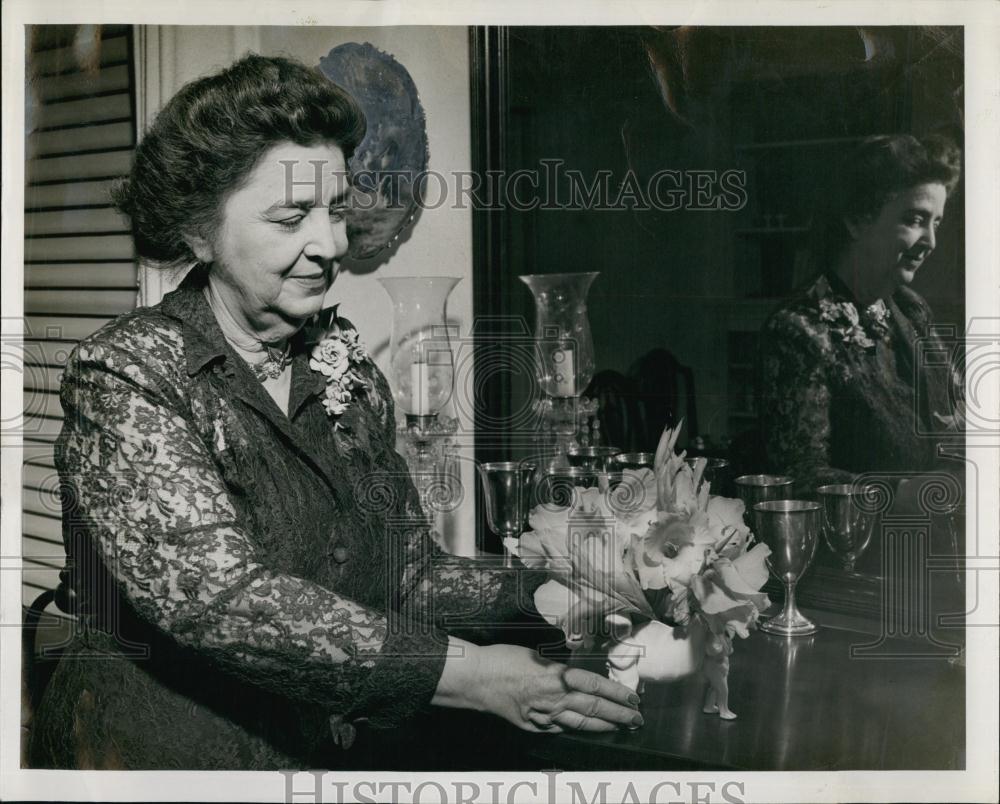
[[982, 179]]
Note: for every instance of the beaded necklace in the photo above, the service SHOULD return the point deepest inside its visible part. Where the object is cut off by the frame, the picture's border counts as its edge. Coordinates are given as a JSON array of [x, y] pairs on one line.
[[276, 359]]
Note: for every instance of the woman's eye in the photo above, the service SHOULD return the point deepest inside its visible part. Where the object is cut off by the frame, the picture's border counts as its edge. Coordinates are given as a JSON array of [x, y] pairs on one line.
[[290, 223], [337, 214]]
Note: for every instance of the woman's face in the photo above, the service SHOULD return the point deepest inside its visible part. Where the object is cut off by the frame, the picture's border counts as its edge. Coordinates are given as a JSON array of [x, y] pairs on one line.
[[282, 236], [889, 248]]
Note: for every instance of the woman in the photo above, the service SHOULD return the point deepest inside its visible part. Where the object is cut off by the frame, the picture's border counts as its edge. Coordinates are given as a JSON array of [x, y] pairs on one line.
[[843, 390], [248, 555]]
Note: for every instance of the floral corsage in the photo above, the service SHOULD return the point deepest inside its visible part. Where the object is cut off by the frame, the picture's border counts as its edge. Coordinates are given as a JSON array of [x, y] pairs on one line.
[[846, 323], [337, 356], [876, 319]]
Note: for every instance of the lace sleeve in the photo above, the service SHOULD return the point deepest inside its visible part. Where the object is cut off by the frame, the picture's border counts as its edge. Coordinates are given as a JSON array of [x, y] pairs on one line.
[[458, 594], [158, 515], [468, 596], [795, 403]]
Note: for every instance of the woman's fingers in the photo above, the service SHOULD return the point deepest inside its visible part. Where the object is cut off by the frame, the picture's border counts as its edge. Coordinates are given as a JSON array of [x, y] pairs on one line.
[[579, 680], [544, 723], [594, 708], [592, 703], [570, 719], [541, 696]]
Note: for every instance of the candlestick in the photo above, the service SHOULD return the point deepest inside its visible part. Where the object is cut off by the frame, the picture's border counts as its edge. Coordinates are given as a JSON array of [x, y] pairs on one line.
[[565, 371], [420, 397], [422, 376]]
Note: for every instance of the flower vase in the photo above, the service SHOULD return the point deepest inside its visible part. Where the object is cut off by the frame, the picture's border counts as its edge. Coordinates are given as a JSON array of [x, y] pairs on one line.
[[657, 572], [659, 653]]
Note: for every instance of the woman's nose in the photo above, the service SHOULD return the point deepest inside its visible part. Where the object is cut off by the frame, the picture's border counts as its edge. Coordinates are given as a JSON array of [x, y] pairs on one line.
[[327, 239], [931, 238]]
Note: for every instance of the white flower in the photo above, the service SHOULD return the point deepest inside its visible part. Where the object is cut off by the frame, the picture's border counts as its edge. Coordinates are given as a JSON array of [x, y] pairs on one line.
[[587, 558], [356, 348], [851, 313], [330, 357], [336, 358], [725, 516], [336, 400], [678, 571], [333, 407], [850, 329], [828, 310], [658, 546]]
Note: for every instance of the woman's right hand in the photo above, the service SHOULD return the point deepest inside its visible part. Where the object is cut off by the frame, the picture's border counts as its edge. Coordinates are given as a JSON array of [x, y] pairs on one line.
[[533, 693]]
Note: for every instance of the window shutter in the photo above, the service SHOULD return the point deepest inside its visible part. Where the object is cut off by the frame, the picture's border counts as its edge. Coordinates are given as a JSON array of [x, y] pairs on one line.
[[79, 266]]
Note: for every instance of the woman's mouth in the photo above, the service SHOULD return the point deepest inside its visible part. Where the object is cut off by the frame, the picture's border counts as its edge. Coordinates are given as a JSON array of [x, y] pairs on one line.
[[311, 283], [310, 279]]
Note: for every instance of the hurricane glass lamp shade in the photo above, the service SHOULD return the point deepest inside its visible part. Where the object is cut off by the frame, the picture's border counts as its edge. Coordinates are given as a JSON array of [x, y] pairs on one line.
[[421, 361], [565, 346]]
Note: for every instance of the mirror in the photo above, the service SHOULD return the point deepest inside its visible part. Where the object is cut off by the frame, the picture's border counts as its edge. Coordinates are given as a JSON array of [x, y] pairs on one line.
[[683, 164]]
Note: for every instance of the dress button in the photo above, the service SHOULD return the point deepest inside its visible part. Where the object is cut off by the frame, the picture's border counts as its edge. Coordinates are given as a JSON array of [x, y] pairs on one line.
[[340, 554]]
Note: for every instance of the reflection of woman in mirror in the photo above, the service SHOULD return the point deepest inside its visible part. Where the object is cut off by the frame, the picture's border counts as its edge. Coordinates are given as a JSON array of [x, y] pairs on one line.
[[840, 387]]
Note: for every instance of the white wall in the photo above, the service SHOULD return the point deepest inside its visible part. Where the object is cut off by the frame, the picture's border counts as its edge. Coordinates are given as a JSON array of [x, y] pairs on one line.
[[440, 244]]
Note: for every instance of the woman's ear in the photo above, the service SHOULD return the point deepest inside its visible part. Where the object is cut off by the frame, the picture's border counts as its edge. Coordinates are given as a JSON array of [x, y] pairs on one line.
[[201, 248], [853, 226]]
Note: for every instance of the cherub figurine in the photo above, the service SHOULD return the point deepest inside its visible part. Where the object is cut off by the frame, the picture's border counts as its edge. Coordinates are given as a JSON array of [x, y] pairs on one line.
[[716, 671]]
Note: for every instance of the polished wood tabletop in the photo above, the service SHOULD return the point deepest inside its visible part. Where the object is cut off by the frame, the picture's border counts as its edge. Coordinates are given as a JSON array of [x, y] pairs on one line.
[[804, 703]]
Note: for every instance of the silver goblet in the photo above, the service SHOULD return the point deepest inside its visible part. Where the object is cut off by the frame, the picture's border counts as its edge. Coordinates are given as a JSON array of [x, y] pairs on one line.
[[791, 529], [596, 459], [753, 489], [507, 489], [560, 488], [715, 474], [634, 460], [847, 526]]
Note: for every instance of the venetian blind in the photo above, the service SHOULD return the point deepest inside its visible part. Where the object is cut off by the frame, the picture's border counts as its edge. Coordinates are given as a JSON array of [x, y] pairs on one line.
[[79, 267]]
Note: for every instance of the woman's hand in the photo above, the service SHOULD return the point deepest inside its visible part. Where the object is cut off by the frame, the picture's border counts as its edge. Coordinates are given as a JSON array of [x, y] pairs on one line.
[[533, 693]]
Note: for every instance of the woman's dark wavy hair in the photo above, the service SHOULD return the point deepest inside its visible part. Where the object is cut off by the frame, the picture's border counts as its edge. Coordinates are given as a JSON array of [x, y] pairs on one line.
[[872, 175], [210, 136]]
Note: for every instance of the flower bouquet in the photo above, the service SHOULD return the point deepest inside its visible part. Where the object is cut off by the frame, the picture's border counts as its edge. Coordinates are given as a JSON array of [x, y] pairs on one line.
[[656, 572]]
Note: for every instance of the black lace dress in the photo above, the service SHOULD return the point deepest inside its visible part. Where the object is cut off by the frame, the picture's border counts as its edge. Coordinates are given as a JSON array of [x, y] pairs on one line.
[[253, 587], [846, 391]]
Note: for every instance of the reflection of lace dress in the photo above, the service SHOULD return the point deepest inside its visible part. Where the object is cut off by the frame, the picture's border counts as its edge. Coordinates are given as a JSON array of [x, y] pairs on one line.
[[254, 585], [841, 393]]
